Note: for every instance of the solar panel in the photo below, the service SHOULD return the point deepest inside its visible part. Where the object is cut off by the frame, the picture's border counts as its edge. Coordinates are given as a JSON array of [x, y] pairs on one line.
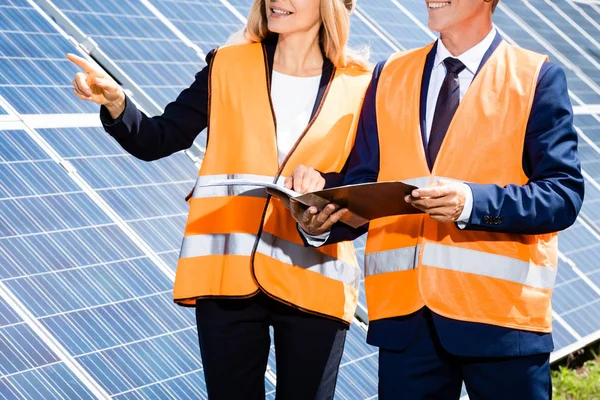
[[580, 245], [357, 378], [582, 87], [35, 77], [86, 281], [398, 22], [141, 45], [589, 150], [149, 197], [577, 18], [89, 236], [207, 23], [593, 10], [363, 35], [243, 6], [562, 35]]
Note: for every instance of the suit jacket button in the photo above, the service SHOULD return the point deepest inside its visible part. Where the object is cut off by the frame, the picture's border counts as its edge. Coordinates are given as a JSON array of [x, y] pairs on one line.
[[486, 219]]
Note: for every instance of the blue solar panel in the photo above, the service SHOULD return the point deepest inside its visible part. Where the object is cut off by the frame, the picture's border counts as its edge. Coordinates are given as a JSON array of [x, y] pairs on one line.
[[86, 281], [524, 35], [569, 42], [151, 54], [207, 23], [578, 20], [363, 36], [357, 378], [391, 17], [149, 197], [35, 77], [242, 5], [98, 280], [591, 10]]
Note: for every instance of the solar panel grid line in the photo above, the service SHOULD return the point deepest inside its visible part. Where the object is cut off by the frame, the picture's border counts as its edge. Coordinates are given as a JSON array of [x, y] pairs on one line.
[[595, 7], [563, 59], [234, 11], [90, 48], [565, 325], [80, 120], [509, 39], [585, 15], [417, 22], [379, 31], [49, 340], [99, 201], [8, 118], [139, 388], [27, 62], [563, 34], [173, 28], [586, 109], [147, 339], [566, 17]]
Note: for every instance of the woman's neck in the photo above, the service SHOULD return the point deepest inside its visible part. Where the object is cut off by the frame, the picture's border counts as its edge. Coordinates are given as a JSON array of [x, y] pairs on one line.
[[298, 54]]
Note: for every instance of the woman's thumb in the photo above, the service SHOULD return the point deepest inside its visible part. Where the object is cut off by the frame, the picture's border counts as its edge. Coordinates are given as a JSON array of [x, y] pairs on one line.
[[104, 83]]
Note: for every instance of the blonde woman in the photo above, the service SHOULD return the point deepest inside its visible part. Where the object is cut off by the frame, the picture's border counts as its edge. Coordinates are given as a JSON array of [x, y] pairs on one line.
[[288, 97]]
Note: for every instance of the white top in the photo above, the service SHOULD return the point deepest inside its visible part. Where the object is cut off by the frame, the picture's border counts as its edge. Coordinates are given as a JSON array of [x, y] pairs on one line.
[[293, 101], [471, 59]]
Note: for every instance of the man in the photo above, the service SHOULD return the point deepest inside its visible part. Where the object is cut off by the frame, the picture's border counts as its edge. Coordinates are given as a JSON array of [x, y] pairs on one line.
[[462, 292]]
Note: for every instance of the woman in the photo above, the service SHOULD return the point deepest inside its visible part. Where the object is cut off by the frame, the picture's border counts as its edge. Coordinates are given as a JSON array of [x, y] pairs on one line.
[[291, 96]]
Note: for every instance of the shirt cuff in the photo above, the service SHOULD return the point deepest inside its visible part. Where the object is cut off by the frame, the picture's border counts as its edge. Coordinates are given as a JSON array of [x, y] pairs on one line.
[[315, 240], [465, 216]]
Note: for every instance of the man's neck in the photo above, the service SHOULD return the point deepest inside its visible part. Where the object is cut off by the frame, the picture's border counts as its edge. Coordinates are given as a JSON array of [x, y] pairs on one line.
[[460, 39]]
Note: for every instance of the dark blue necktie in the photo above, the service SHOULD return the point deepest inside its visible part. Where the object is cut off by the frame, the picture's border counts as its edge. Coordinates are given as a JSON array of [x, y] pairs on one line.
[[446, 106]]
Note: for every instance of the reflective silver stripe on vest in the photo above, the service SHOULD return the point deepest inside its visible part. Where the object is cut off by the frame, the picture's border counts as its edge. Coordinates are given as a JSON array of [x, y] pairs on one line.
[[239, 244], [418, 182], [308, 258], [201, 190], [490, 265], [271, 246], [382, 262]]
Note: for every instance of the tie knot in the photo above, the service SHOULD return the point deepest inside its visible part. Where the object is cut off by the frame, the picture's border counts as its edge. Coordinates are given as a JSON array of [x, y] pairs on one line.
[[454, 65]]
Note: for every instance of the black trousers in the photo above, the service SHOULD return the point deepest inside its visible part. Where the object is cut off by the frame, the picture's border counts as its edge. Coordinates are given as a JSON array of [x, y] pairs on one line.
[[234, 344]]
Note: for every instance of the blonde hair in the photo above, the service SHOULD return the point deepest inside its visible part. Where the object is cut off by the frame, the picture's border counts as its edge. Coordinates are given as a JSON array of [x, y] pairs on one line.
[[333, 35]]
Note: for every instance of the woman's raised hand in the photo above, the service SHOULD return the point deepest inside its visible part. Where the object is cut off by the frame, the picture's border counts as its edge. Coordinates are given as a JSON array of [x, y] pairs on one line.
[[95, 85]]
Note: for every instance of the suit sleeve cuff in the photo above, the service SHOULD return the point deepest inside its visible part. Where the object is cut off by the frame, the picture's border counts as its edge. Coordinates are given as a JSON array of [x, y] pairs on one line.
[[465, 216], [119, 127]]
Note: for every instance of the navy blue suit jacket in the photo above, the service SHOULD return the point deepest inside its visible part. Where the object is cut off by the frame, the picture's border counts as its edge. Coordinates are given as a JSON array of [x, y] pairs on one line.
[[549, 202]]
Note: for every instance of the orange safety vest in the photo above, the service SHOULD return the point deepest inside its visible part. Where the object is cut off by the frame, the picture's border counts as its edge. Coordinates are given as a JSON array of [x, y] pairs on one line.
[[237, 239], [413, 261]]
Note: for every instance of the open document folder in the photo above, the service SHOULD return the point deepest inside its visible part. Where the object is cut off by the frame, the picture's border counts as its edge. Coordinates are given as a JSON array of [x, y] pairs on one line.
[[365, 201]]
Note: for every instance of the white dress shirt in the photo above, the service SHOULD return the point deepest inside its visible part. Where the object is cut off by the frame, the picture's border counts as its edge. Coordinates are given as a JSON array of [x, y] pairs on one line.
[[471, 59]]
